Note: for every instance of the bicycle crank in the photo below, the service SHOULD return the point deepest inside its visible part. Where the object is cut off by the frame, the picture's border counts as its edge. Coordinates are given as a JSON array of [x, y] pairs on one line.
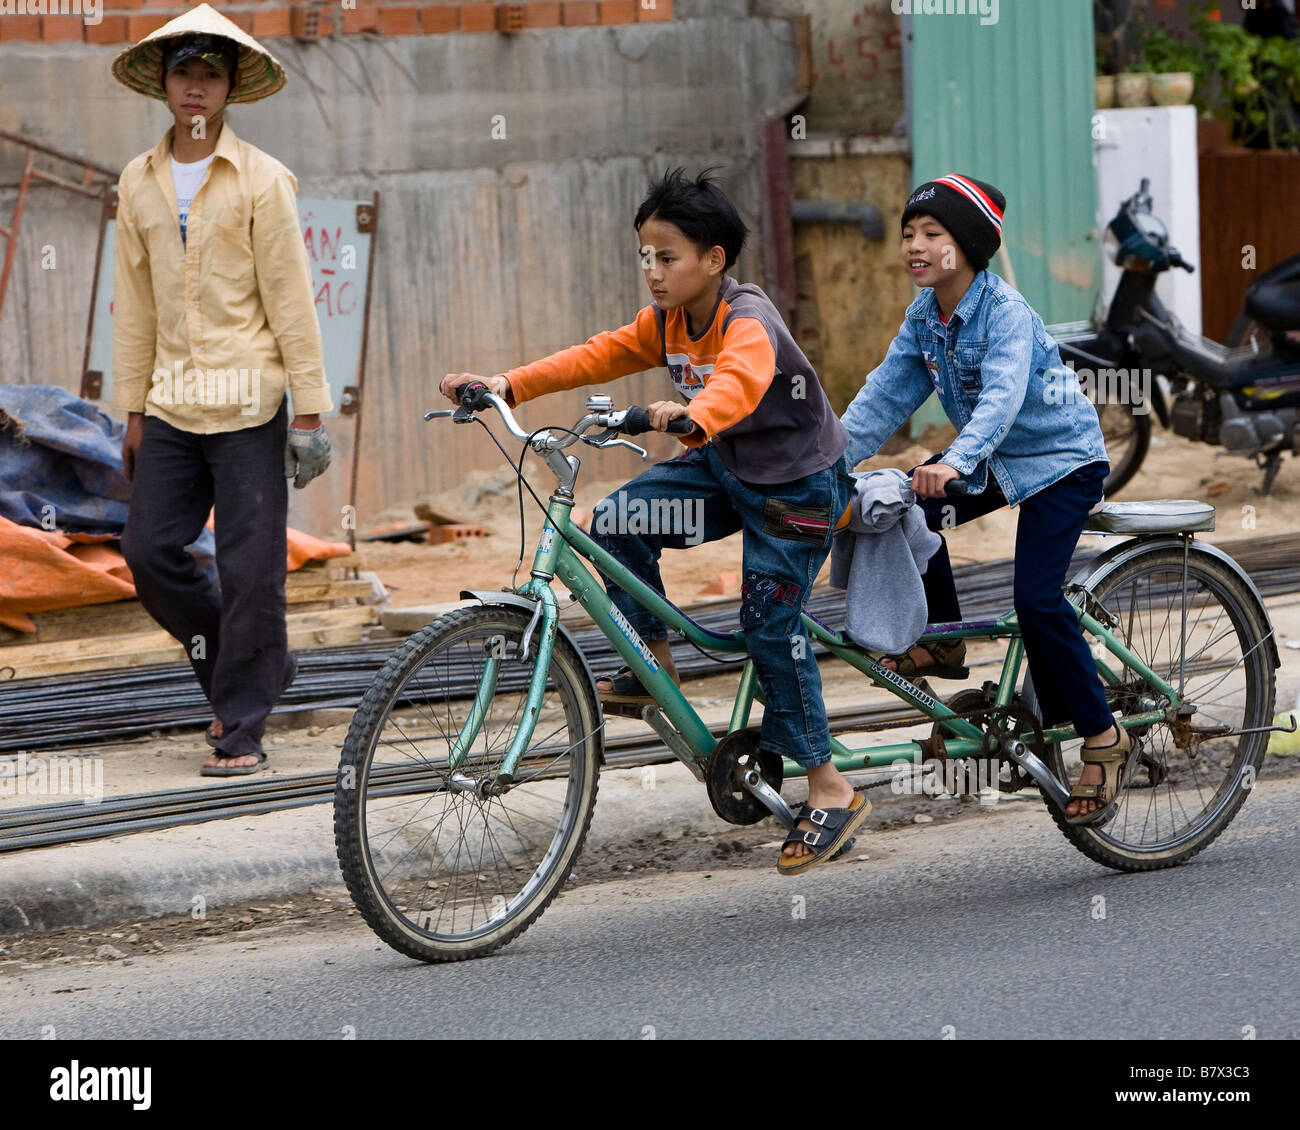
[[744, 780]]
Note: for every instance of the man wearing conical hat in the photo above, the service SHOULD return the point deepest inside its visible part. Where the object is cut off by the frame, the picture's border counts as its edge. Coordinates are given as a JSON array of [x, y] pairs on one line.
[[214, 325]]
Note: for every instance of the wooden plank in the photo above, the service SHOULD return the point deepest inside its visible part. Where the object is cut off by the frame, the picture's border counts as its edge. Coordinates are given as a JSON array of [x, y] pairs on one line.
[[336, 568], [308, 629], [314, 583], [327, 590], [299, 640], [122, 617]]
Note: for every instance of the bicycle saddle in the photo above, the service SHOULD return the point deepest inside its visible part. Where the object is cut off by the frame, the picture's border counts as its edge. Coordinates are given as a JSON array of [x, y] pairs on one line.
[[1156, 516]]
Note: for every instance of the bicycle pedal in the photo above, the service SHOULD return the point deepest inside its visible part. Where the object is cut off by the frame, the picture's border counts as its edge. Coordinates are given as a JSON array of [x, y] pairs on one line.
[[844, 848]]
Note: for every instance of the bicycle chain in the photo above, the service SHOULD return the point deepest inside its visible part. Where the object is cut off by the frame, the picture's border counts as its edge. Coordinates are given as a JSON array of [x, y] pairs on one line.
[[874, 727]]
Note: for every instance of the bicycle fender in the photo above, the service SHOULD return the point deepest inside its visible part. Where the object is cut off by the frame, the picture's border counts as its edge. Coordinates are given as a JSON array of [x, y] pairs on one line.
[[1124, 552], [490, 596]]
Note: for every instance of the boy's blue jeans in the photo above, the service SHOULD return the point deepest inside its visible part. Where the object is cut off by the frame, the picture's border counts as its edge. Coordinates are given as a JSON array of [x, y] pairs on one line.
[[699, 500], [1051, 520]]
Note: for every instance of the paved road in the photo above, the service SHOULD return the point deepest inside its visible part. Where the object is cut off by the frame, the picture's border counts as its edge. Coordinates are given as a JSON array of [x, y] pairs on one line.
[[987, 927]]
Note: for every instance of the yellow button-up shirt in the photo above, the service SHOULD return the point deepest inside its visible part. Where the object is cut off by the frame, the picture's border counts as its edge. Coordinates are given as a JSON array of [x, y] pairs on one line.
[[208, 333]]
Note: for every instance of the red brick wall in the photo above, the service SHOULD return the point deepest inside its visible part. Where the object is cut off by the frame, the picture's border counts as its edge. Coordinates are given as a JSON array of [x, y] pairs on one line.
[[128, 21]]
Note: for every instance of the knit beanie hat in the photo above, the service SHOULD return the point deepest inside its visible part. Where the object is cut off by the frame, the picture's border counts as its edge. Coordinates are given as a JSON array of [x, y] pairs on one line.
[[970, 209]]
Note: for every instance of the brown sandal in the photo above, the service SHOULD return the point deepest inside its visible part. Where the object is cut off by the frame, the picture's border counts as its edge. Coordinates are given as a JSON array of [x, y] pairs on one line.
[[1112, 759], [949, 661]]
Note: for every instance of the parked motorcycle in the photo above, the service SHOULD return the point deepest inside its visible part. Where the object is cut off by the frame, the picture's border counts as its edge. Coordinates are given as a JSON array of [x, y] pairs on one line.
[[1242, 396]]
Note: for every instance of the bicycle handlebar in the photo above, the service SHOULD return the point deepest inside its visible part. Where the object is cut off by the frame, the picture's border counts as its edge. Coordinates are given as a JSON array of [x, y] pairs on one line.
[[474, 397], [637, 420]]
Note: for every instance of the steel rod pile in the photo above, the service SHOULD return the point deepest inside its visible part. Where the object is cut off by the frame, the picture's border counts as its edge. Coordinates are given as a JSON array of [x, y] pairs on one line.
[[75, 710], [44, 825]]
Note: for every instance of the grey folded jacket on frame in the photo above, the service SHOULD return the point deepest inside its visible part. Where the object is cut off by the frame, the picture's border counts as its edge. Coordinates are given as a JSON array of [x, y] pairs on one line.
[[878, 560]]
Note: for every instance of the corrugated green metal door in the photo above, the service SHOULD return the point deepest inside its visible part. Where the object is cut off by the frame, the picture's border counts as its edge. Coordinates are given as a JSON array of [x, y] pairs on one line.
[[1011, 102]]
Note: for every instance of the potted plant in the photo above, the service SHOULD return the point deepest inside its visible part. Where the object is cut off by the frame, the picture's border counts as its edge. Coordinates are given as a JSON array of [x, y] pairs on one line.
[[1133, 87], [1174, 65], [1248, 81], [1224, 65], [1104, 88], [1275, 114]]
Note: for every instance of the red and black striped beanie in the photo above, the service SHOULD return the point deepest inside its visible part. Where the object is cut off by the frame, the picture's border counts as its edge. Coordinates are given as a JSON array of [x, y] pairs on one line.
[[970, 209]]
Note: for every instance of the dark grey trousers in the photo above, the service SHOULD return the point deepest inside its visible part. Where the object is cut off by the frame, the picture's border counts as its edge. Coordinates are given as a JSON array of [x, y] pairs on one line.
[[235, 636]]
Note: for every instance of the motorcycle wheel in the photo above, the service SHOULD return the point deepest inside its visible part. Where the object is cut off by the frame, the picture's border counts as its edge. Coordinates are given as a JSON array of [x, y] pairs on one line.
[[1128, 436]]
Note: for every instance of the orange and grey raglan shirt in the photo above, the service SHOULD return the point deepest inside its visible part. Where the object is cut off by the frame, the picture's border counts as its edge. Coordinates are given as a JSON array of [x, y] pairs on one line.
[[751, 390]]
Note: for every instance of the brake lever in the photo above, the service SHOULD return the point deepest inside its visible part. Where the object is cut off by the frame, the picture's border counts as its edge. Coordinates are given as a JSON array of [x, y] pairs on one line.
[[439, 413], [641, 451]]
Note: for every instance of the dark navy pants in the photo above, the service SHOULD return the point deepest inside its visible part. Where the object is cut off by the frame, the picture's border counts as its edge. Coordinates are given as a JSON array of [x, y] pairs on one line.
[[235, 637], [1063, 669], [695, 498]]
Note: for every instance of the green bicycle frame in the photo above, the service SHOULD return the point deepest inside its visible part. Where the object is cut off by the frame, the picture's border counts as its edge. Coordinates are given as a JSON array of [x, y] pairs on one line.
[[560, 555]]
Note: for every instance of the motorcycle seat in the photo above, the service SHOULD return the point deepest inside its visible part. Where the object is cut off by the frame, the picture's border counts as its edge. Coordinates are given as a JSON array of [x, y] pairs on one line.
[[1273, 299], [1275, 305], [1156, 516]]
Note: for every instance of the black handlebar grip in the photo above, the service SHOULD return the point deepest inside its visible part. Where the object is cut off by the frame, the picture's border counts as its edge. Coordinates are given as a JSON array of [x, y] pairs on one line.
[[956, 487], [637, 421], [474, 395]]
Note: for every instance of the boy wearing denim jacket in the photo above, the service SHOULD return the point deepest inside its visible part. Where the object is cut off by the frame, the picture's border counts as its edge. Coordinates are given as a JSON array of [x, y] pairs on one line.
[[766, 458], [1026, 437]]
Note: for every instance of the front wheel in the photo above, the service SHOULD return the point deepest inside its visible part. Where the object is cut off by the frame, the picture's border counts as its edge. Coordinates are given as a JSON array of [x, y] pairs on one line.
[[443, 864], [1189, 778]]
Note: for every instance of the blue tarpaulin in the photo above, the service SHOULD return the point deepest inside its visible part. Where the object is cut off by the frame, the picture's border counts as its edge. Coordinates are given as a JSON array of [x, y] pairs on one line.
[[61, 464]]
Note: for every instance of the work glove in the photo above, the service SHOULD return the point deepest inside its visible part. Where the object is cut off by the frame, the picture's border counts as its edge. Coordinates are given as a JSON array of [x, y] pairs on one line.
[[306, 455]]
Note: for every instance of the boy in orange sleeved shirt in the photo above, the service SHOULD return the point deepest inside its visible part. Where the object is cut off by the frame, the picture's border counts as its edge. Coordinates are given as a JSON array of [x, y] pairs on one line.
[[766, 458]]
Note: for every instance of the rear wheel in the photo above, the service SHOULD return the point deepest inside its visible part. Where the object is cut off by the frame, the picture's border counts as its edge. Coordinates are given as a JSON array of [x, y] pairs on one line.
[[441, 864], [1186, 780]]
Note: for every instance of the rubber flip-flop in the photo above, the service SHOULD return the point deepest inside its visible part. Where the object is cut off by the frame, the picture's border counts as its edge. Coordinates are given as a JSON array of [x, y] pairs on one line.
[[625, 687], [233, 770], [291, 673]]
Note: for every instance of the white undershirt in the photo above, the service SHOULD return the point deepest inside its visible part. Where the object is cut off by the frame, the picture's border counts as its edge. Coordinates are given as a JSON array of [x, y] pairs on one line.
[[187, 179]]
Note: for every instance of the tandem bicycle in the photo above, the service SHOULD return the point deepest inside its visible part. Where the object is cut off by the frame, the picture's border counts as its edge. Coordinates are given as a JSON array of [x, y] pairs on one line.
[[468, 777]]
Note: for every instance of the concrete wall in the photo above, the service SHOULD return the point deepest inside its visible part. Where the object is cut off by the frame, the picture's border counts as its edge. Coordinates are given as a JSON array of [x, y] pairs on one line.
[[857, 63], [491, 252], [852, 291]]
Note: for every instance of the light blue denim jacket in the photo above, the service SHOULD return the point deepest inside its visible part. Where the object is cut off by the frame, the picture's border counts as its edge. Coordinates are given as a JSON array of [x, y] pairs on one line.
[[1017, 407]]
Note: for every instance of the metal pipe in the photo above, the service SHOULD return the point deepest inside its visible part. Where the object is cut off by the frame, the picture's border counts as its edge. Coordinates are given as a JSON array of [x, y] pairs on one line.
[[865, 216]]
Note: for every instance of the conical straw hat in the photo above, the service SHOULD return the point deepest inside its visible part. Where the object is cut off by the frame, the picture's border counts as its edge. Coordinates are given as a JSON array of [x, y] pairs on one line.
[[259, 73]]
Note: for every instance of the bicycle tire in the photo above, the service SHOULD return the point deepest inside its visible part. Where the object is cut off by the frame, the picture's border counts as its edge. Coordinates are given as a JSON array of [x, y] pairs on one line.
[[1108, 844], [399, 689]]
